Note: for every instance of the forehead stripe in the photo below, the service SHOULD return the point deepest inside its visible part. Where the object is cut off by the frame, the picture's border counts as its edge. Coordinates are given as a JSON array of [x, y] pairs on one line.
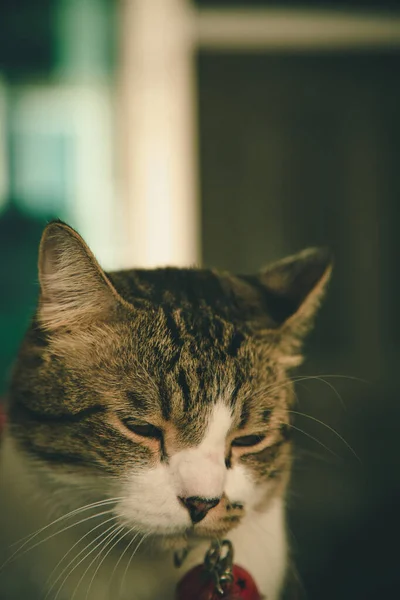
[[183, 384], [31, 413], [245, 415], [235, 343], [165, 400], [176, 338], [173, 328]]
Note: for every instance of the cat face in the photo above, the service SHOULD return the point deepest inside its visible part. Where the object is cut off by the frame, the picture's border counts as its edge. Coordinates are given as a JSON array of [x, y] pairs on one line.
[[166, 389]]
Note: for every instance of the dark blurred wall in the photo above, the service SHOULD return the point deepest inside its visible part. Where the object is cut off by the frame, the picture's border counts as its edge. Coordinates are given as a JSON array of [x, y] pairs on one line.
[[302, 150], [26, 36], [358, 4]]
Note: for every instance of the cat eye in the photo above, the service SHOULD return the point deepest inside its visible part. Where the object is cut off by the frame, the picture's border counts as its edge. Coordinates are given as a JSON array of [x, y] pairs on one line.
[[143, 429], [248, 440]]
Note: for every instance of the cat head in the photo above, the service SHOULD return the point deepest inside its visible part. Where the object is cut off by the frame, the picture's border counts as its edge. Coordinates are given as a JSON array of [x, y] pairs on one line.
[[165, 389]]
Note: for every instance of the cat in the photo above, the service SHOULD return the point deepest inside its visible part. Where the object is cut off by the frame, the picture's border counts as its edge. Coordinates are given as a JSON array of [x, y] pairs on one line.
[[149, 413]]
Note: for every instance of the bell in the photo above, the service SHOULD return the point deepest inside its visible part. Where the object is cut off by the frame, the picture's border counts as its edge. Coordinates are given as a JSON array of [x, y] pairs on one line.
[[218, 578]]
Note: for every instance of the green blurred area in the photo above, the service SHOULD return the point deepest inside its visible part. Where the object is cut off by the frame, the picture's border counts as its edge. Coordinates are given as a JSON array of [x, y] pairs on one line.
[[19, 239], [53, 54]]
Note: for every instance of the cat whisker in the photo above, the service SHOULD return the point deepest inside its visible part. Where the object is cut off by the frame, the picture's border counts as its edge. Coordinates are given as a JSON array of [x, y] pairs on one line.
[[341, 438], [323, 380], [270, 388], [304, 387], [109, 531], [131, 558], [336, 376], [274, 387], [314, 439], [303, 452], [69, 551], [105, 556], [97, 504], [20, 552], [132, 530], [104, 544], [80, 553]]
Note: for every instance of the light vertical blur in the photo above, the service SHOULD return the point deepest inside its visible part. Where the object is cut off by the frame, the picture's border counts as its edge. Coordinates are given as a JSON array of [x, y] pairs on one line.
[[157, 132]]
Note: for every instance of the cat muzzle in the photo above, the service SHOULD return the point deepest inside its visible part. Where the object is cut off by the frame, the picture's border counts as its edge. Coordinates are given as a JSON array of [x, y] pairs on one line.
[[199, 507]]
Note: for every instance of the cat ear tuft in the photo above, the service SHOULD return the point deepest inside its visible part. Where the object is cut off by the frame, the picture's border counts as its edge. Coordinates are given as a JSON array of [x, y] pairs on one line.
[[74, 290], [295, 287]]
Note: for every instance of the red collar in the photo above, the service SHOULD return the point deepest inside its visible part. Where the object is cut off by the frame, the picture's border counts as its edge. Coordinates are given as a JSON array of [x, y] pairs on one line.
[[218, 578]]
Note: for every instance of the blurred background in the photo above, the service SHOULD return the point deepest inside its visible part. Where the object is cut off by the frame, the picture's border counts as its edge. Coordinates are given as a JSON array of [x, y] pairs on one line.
[[230, 133]]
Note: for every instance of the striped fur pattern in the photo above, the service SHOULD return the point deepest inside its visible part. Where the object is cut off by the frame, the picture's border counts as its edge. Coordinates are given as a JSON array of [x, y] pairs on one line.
[[196, 358]]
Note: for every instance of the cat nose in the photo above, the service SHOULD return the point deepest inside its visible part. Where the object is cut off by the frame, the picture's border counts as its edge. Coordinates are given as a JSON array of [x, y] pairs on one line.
[[199, 507]]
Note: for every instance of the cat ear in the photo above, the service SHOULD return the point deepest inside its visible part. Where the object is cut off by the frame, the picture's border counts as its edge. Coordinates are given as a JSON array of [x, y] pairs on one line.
[[295, 287], [74, 290]]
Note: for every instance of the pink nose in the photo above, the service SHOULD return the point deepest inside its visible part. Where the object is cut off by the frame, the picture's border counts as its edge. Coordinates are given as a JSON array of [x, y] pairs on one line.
[[199, 507]]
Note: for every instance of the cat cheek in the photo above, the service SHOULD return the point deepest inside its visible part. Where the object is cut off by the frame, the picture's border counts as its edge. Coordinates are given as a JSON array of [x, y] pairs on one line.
[[240, 487], [151, 502]]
